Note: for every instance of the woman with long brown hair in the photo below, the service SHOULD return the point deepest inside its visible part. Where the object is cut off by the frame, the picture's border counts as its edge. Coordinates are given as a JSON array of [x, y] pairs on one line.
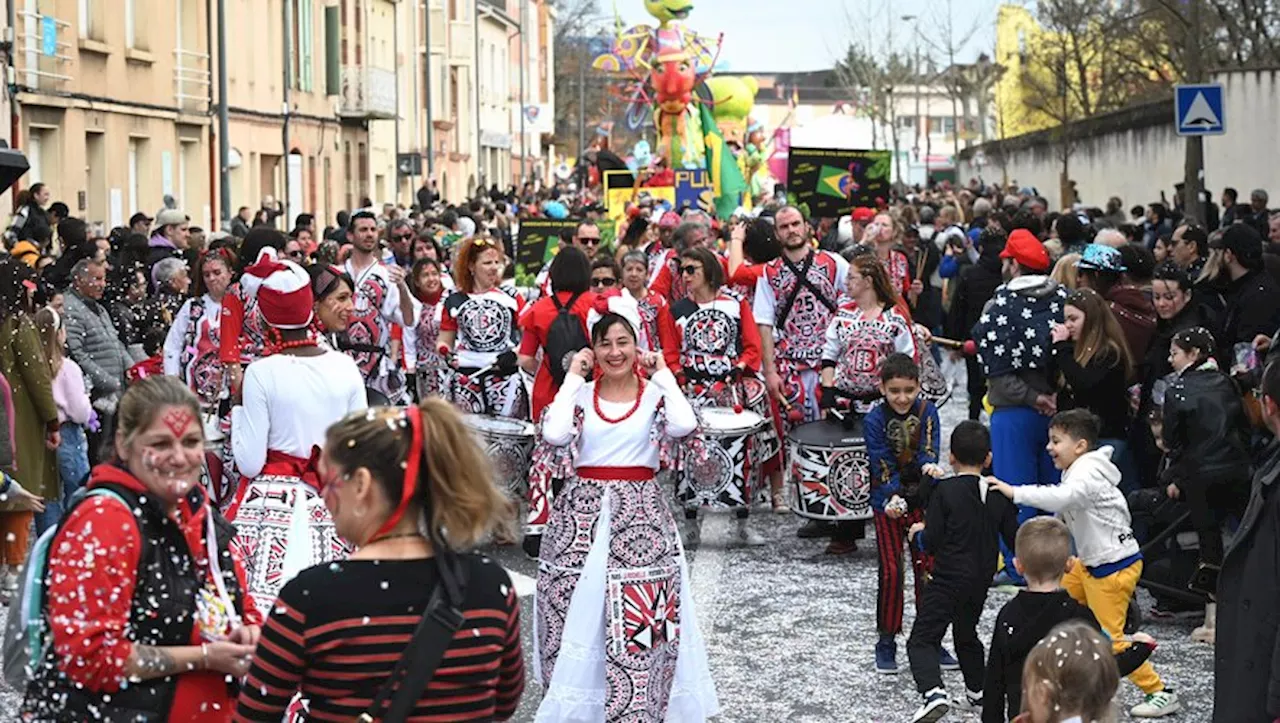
[[1090, 351], [75, 411], [411, 490], [479, 332]]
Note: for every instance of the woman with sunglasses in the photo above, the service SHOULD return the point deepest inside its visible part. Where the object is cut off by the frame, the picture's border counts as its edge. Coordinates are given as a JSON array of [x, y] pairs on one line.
[[291, 395], [611, 537], [717, 354], [605, 274], [478, 331], [412, 492]]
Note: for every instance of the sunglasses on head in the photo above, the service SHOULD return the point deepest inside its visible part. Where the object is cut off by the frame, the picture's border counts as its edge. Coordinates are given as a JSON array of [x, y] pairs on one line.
[[690, 269]]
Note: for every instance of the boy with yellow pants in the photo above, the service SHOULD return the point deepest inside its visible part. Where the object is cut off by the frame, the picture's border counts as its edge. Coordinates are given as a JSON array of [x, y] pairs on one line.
[[1108, 563]]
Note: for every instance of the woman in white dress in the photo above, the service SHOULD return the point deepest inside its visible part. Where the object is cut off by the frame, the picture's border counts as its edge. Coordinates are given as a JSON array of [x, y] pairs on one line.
[[290, 397], [615, 629]]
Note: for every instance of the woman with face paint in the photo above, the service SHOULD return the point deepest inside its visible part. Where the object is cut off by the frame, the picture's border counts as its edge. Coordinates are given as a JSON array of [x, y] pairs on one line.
[[290, 398], [654, 662], [146, 607], [411, 490]]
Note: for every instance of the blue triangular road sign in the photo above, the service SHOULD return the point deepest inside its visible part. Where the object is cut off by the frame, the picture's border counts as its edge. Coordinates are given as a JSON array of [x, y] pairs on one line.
[[1199, 110]]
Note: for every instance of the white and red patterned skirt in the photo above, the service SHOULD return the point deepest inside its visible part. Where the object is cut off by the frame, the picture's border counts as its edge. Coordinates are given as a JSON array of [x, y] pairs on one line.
[[614, 593]]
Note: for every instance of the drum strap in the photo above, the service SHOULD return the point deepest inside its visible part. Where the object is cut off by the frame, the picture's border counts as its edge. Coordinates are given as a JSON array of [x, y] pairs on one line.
[[802, 281]]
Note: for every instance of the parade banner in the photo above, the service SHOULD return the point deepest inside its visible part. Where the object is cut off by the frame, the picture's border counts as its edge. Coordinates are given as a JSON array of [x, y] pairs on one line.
[[538, 240], [834, 181], [694, 190], [619, 189]]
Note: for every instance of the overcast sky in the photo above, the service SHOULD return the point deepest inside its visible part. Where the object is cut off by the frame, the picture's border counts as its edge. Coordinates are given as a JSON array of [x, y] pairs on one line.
[[792, 35]]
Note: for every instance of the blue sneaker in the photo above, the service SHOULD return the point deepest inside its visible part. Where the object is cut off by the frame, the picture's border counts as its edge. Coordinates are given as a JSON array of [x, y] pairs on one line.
[[887, 657], [946, 660], [936, 705]]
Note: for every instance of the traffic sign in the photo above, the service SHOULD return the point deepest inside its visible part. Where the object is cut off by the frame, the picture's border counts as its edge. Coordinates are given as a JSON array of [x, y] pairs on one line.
[[1198, 110]]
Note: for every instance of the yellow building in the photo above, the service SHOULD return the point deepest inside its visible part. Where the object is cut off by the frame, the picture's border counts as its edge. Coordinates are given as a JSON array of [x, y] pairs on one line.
[[1017, 34]]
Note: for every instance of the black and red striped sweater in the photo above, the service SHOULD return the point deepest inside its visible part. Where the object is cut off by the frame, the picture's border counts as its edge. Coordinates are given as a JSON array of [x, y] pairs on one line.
[[337, 630]]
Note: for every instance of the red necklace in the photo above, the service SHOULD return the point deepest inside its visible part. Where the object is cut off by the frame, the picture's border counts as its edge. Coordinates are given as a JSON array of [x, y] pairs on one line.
[[595, 400], [278, 347]]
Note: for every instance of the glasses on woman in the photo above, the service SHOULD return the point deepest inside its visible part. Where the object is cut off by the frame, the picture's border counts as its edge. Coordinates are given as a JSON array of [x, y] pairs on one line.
[[293, 254], [605, 282], [689, 270]]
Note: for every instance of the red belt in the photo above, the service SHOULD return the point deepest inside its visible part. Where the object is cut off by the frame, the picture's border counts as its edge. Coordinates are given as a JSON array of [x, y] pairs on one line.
[[621, 474], [279, 464]]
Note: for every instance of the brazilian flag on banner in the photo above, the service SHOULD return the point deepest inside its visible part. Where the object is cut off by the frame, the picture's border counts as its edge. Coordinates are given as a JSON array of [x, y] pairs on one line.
[[834, 182], [727, 182]]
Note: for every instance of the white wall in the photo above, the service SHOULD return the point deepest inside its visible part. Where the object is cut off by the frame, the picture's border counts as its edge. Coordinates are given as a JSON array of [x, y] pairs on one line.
[[1139, 159]]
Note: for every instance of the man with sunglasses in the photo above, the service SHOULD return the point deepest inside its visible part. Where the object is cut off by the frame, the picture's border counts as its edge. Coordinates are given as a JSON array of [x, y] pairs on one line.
[[586, 237], [399, 237], [604, 274]]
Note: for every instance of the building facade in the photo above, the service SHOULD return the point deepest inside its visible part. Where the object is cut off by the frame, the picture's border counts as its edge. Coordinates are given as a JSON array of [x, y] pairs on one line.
[[111, 104]]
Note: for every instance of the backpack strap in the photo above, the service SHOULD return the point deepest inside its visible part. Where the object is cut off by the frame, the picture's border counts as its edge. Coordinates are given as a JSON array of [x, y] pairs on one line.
[[802, 280], [566, 308]]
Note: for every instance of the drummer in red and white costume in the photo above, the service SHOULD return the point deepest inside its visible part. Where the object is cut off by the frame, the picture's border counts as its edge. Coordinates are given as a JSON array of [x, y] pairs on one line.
[[866, 330], [192, 348], [752, 245], [656, 252], [479, 328], [719, 358], [667, 281], [192, 352], [657, 331], [792, 317], [290, 398], [884, 234], [422, 343], [382, 299]]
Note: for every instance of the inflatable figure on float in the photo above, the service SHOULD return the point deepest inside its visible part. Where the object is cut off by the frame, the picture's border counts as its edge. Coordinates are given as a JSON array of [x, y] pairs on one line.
[[661, 67]]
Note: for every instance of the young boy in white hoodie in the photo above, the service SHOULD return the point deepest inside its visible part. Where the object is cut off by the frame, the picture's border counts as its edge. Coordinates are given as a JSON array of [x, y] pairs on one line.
[[1108, 562]]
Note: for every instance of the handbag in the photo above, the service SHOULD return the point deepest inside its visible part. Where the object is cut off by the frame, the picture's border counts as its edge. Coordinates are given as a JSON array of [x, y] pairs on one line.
[[423, 655]]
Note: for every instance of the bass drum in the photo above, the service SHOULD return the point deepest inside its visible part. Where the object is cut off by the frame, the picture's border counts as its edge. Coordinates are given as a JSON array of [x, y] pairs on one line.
[[508, 443], [724, 479], [829, 471]]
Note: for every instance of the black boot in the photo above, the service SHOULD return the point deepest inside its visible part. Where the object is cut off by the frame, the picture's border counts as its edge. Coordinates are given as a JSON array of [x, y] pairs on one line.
[[815, 529]]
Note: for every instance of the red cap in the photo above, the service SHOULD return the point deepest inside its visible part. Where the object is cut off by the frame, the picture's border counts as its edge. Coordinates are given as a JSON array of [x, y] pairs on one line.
[[1026, 249], [862, 214]]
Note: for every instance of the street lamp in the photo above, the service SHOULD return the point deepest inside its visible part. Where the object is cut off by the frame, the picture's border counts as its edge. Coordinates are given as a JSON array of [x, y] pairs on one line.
[[915, 21]]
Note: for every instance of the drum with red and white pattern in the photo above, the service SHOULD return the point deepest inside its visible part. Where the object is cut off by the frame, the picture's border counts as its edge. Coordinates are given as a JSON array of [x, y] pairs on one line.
[[830, 471]]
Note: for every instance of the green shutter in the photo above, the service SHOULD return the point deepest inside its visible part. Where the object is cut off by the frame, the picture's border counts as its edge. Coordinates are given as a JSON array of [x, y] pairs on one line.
[[332, 50]]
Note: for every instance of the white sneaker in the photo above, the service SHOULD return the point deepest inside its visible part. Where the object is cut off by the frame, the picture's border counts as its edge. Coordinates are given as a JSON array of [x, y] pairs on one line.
[[11, 582], [969, 702], [748, 537], [935, 707], [1157, 705]]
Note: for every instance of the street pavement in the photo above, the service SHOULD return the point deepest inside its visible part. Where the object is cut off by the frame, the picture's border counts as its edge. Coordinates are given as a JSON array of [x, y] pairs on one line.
[[791, 631]]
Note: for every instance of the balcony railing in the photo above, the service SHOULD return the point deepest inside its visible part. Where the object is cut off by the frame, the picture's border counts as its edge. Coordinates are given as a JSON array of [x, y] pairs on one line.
[[368, 93], [43, 51], [191, 79]]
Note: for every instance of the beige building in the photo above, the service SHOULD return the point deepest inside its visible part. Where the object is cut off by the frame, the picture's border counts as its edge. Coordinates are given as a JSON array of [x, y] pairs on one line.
[[112, 104]]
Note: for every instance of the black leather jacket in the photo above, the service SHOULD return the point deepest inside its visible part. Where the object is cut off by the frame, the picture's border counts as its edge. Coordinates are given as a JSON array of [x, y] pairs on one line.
[[1205, 430]]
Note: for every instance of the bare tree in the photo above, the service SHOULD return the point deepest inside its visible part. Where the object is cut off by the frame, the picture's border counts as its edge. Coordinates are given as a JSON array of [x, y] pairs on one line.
[[582, 97], [869, 82], [947, 42], [1077, 68]]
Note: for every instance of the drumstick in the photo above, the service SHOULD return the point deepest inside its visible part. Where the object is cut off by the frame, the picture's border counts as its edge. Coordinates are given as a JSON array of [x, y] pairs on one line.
[[968, 347]]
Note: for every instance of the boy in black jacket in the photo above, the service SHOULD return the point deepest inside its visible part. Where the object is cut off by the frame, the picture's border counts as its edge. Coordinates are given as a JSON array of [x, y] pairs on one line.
[[961, 528], [1043, 548]]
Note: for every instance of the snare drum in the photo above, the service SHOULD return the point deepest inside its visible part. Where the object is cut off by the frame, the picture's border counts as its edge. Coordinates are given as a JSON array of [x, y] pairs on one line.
[[508, 443], [722, 479], [830, 471], [769, 445]]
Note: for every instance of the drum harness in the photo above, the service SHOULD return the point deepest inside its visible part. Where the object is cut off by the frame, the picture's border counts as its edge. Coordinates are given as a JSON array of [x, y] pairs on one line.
[[802, 280]]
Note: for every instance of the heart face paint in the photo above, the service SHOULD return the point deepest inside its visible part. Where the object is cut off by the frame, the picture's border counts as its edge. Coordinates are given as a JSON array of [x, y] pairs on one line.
[[177, 419], [171, 452]]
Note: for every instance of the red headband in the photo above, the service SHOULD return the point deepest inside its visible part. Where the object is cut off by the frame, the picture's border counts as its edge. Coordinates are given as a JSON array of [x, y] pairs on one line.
[[412, 461]]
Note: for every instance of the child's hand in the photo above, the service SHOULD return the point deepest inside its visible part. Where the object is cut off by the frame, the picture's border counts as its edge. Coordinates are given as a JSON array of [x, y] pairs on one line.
[[914, 530], [1003, 488], [1143, 638], [933, 470], [895, 508]]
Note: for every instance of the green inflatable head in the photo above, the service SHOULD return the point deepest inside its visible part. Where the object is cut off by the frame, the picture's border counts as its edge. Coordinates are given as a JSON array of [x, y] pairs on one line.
[[667, 10], [733, 97]]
